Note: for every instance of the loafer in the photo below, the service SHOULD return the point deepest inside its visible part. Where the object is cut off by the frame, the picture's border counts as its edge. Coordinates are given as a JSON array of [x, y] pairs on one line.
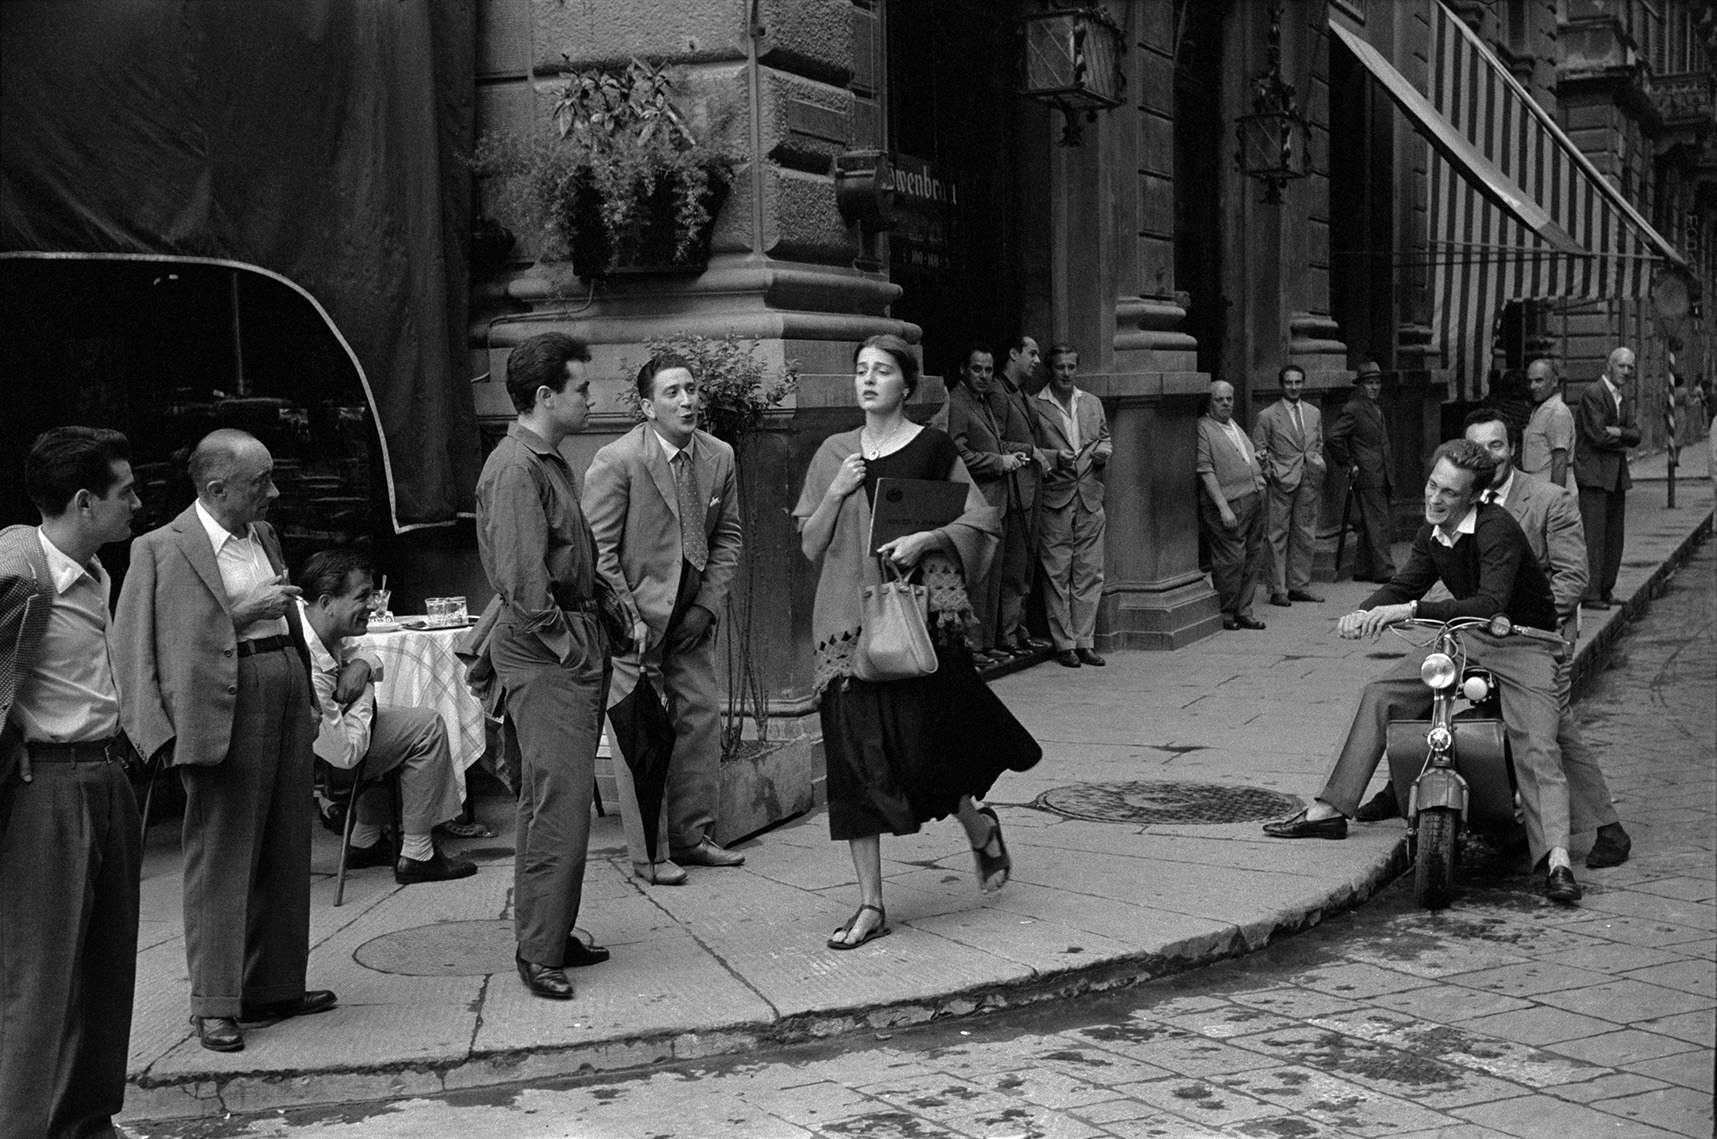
[[1090, 657], [218, 1033], [663, 873], [543, 981], [436, 868], [707, 853], [378, 853], [1304, 595], [1068, 658], [1280, 599], [1032, 644], [1559, 886], [1383, 805], [1301, 827], [578, 955], [313, 1001], [1611, 849], [1248, 623]]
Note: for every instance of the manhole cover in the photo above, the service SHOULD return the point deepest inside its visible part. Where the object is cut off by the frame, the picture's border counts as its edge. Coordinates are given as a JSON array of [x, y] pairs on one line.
[[1167, 803], [444, 949]]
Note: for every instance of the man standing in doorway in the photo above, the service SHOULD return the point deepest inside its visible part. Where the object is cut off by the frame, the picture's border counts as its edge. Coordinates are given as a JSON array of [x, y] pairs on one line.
[[1017, 382], [1359, 443], [1547, 445], [1290, 435], [1231, 508], [1073, 431], [1606, 429]]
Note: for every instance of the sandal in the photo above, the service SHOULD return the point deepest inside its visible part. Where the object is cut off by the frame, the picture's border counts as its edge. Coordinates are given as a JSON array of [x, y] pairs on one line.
[[993, 869], [880, 929]]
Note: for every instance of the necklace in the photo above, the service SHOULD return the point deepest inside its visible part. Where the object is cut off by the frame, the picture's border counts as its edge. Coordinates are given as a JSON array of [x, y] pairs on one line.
[[877, 447]]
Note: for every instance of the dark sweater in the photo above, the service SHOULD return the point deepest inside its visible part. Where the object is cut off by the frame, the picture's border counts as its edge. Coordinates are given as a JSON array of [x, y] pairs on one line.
[[1489, 571]]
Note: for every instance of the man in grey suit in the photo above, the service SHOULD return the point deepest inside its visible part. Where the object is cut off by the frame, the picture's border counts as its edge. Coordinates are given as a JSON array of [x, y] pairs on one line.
[[1231, 508], [211, 658], [1358, 442], [1289, 437], [663, 505], [1072, 430], [1604, 418]]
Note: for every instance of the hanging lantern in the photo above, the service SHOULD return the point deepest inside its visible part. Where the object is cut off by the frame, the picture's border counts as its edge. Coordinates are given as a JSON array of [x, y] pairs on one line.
[[1073, 63], [1273, 146]]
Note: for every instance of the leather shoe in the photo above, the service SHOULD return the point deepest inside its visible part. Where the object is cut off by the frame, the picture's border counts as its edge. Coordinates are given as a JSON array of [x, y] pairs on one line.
[[1383, 805], [1280, 599], [707, 853], [985, 660], [1032, 644], [663, 873], [313, 1001], [436, 868], [1612, 847], [543, 981], [1304, 595], [1067, 657], [1593, 603], [378, 853], [1609, 599], [578, 954], [1248, 623], [218, 1033], [1090, 657], [1559, 886], [1301, 827]]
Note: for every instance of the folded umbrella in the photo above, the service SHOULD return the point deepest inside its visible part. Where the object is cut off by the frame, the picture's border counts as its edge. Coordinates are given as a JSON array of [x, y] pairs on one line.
[[645, 737]]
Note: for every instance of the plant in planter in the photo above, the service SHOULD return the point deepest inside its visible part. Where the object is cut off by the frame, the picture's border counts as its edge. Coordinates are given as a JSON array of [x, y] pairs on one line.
[[626, 184], [736, 389]]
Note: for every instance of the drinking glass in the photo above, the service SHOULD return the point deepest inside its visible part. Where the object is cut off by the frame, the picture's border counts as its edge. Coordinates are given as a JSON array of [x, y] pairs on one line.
[[379, 604]]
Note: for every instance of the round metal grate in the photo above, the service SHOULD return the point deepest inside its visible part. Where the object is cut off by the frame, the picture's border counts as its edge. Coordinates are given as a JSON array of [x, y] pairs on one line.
[[444, 949], [1163, 802]]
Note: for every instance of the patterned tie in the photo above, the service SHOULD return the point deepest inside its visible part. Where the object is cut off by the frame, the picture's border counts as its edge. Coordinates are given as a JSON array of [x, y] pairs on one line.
[[693, 545]]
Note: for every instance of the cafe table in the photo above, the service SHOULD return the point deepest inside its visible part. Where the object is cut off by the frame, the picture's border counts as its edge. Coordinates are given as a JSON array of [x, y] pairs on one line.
[[420, 670]]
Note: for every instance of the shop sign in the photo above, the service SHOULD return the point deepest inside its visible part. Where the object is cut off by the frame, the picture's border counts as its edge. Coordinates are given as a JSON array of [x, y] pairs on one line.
[[926, 205]]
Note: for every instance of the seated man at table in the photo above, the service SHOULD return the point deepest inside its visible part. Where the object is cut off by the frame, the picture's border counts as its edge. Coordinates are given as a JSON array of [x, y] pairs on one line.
[[354, 728]]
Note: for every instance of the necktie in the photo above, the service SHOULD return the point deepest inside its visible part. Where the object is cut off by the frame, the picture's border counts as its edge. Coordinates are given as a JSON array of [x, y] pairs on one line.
[[1299, 426], [694, 547]]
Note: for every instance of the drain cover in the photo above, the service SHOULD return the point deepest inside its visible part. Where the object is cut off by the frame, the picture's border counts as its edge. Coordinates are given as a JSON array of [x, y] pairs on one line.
[[444, 949], [1166, 803]]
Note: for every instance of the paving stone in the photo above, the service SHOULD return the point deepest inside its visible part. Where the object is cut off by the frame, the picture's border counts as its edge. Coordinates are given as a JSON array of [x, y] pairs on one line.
[[1615, 1049], [1532, 978], [1353, 1108], [1681, 1110], [1694, 1027], [1546, 1117], [1358, 981], [1610, 1086], [1541, 1025], [1202, 1100], [1450, 1003], [1691, 1069], [1691, 976], [1625, 1001]]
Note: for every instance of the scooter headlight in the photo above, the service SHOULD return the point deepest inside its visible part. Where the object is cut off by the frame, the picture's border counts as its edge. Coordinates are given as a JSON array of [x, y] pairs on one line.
[[1438, 671], [1474, 688]]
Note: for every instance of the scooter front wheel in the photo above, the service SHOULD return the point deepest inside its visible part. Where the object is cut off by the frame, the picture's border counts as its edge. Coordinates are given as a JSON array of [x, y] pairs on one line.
[[1438, 851]]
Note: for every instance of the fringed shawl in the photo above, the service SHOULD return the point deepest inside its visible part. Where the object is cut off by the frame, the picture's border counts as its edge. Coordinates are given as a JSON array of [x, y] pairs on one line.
[[848, 567]]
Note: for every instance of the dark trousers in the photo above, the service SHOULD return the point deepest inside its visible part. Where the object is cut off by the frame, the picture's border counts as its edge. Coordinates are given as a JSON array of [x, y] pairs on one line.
[[1604, 514], [246, 846], [69, 858], [1237, 555], [554, 720], [1371, 556], [1015, 562]]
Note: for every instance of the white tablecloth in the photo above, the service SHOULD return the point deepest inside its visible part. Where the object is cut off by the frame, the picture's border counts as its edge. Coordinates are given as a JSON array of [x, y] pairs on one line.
[[420, 670]]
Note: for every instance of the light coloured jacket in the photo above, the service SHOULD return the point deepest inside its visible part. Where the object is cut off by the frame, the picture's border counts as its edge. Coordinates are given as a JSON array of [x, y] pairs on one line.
[[1085, 477], [1294, 457], [1550, 517]]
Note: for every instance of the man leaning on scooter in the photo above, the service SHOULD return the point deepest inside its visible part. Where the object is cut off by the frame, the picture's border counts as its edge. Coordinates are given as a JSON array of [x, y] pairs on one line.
[[1481, 555]]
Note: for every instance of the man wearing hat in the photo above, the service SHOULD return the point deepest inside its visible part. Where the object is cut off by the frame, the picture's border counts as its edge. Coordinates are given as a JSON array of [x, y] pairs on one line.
[[1358, 442]]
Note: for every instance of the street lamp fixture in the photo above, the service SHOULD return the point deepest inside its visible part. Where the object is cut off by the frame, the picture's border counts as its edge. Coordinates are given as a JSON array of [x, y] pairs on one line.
[[1073, 63], [1273, 137]]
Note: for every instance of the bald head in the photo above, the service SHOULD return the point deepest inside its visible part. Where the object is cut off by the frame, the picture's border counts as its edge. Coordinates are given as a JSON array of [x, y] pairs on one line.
[[234, 477], [1221, 401], [1541, 379], [1621, 366]]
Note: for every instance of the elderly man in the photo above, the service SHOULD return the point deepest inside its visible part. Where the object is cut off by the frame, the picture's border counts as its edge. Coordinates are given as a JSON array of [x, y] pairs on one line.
[[1547, 445], [664, 509], [1606, 426], [1358, 442], [69, 845], [1072, 429], [1480, 554], [211, 658], [355, 729], [1290, 434], [1231, 508]]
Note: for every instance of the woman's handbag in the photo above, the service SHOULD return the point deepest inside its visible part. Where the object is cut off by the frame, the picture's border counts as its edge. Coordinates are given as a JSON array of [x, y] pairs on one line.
[[894, 639]]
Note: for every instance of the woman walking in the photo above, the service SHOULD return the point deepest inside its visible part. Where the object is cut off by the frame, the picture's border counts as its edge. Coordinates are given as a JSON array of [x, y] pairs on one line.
[[901, 752]]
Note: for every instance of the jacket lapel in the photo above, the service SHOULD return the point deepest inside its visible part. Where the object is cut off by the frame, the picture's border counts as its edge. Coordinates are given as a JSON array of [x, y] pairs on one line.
[[657, 462], [194, 544]]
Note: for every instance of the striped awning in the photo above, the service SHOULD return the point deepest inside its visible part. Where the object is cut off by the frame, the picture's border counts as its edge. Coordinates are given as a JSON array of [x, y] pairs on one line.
[[1579, 239]]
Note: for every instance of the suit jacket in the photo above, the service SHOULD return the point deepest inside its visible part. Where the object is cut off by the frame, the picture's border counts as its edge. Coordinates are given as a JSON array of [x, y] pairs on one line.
[[1293, 457], [1085, 478], [1237, 474], [1600, 459], [1359, 438], [985, 429], [174, 647], [26, 598], [633, 508], [1549, 515]]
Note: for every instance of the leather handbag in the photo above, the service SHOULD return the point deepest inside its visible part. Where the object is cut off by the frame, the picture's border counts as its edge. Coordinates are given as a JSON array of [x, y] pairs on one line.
[[894, 639]]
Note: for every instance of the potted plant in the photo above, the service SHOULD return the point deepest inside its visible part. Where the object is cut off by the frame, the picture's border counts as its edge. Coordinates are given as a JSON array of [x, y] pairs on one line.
[[625, 184]]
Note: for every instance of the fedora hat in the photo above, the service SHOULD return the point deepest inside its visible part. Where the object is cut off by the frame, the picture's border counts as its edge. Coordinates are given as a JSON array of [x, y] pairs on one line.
[[1367, 371]]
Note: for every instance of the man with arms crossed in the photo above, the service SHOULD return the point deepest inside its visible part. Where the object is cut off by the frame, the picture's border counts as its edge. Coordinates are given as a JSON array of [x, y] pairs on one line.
[[69, 832], [1290, 433], [1606, 429], [210, 656], [664, 508], [1479, 553]]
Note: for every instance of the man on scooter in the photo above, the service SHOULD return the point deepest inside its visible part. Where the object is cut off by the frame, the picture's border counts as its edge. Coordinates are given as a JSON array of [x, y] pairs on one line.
[[1478, 551]]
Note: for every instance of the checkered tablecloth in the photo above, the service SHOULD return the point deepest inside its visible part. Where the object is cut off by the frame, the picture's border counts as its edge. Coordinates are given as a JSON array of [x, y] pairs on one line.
[[419, 669]]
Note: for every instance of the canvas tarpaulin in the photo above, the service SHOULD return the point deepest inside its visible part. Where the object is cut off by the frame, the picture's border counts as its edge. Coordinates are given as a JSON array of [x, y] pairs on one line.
[[325, 141]]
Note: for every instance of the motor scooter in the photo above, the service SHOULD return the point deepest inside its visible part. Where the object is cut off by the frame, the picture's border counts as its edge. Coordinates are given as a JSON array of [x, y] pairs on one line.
[[1454, 772]]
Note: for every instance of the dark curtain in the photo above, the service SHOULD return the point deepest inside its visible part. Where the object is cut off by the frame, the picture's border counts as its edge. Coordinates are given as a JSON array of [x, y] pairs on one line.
[[325, 140]]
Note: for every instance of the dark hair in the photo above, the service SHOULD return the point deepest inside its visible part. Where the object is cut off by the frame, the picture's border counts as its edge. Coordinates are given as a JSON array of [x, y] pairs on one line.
[[655, 366], [65, 460], [327, 572], [973, 349], [1061, 349], [1466, 455], [899, 351], [1286, 368], [540, 362], [1483, 415], [1015, 343]]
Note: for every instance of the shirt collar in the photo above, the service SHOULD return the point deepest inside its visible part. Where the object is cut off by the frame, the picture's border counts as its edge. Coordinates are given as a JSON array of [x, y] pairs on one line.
[[1499, 491], [61, 569], [669, 449], [1048, 397], [218, 534], [1610, 386], [322, 658], [1466, 525], [531, 440]]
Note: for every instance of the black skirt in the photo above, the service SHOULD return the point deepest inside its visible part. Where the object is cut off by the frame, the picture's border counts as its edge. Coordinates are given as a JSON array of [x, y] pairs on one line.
[[900, 753]]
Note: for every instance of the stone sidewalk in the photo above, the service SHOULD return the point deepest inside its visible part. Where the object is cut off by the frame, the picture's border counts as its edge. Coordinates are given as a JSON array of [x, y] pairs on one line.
[[735, 960]]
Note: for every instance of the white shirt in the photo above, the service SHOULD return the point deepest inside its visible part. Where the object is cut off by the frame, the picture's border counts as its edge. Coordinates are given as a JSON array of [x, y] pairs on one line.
[[343, 734], [1241, 443], [1466, 525], [1615, 392], [1498, 492], [1551, 428], [1069, 414], [244, 565], [673, 452], [69, 695]]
